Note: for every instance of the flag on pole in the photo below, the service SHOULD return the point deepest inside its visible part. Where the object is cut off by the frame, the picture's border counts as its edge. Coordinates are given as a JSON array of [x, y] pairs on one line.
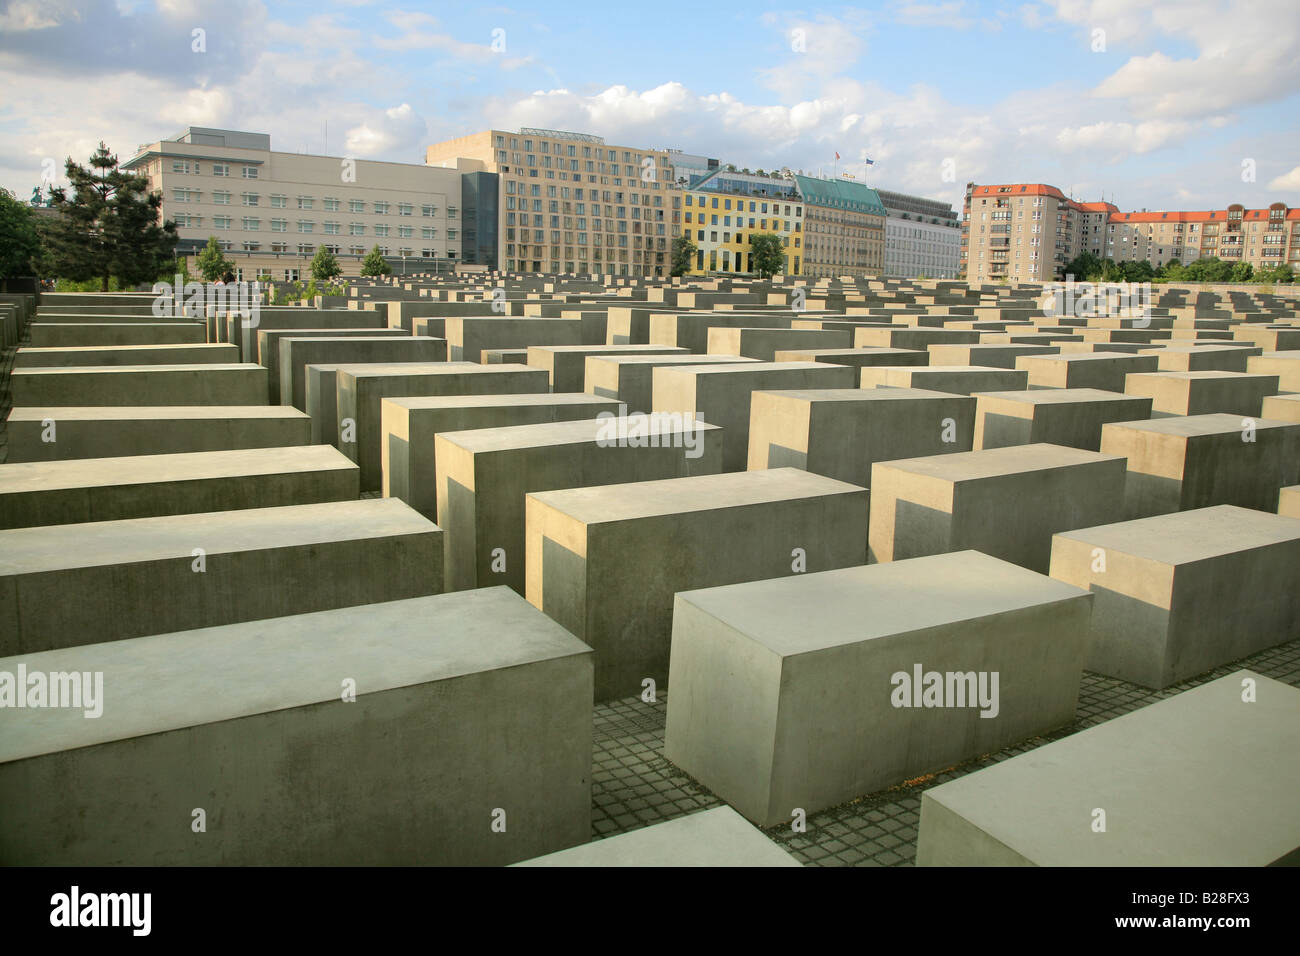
[[869, 162], [837, 155]]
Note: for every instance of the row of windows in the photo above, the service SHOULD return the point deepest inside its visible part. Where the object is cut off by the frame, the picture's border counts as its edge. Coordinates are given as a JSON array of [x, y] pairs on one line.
[[221, 197], [195, 167], [306, 249], [740, 206], [252, 224], [778, 224], [549, 147]]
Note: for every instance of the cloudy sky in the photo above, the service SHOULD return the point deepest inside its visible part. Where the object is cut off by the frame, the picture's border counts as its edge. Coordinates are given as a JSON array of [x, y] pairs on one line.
[[1183, 104]]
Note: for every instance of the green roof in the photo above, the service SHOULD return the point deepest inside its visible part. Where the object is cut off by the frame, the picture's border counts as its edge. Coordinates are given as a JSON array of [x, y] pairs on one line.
[[840, 194]]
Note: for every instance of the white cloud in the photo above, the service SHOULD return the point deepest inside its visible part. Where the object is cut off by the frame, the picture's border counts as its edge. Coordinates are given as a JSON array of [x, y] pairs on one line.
[[945, 13], [1288, 182], [399, 128]]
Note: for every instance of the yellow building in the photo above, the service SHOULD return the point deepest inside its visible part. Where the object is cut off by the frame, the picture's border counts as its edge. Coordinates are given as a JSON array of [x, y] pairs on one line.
[[722, 211]]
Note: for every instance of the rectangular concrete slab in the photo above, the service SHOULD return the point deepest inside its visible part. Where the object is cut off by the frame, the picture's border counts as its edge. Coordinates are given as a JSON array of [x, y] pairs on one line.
[[957, 379], [566, 365], [762, 344], [606, 561], [1005, 502], [1181, 594], [716, 837], [407, 450], [296, 354], [630, 378], [857, 358], [1204, 778], [796, 693], [62, 433], [1101, 370], [153, 575], [208, 384], [1056, 416], [126, 355], [146, 486], [83, 334], [1202, 393], [842, 432], [248, 722], [484, 475]]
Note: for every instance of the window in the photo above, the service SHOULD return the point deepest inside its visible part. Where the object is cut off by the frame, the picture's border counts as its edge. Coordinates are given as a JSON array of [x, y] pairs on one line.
[[429, 210], [381, 208], [331, 205], [405, 209], [405, 232], [221, 197], [252, 225], [306, 225], [331, 228], [250, 172], [356, 205], [180, 165], [252, 246], [220, 169], [356, 229], [221, 222], [428, 232], [381, 230], [251, 199], [279, 225], [279, 202], [305, 202]]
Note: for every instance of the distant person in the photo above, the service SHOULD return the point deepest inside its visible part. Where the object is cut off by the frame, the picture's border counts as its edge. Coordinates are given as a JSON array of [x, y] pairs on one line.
[[228, 278]]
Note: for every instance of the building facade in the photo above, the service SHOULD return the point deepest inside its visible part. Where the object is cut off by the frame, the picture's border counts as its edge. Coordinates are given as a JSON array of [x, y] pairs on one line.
[[844, 228], [723, 209], [1031, 231], [570, 202], [922, 237], [272, 211]]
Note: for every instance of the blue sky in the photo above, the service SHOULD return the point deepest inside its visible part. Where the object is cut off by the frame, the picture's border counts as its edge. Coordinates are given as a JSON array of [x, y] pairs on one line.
[[1186, 104]]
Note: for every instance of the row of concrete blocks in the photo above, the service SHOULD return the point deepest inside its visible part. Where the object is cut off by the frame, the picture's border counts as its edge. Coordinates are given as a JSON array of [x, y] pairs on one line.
[[788, 695]]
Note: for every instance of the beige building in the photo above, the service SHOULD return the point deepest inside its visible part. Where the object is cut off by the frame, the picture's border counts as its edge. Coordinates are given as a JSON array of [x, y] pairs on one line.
[[844, 228], [570, 202], [1030, 231], [271, 211]]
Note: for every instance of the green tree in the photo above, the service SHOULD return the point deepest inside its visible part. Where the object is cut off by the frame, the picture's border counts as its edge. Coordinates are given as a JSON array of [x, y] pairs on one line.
[[1241, 272], [1084, 267], [374, 265], [212, 263], [109, 228], [20, 247], [683, 255], [324, 265], [769, 253]]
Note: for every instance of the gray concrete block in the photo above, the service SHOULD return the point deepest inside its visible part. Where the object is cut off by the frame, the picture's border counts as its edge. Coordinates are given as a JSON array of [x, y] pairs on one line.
[[762, 344], [362, 388], [1201, 779], [468, 336], [720, 394], [856, 358], [246, 722], [986, 356], [1284, 365], [1177, 464], [83, 334], [126, 355], [65, 432], [212, 384], [1281, 408], [1288, 502], [268, 346], [1202, 393], [1181, 594], [630, 378], [1201, 357], [1005, 502], [605, 562], [566, 365], [1056, 416], [716, 837], [957, 379], [410, 424], [484, 475], [297, 354], [842, 432], [73, 584], [796, 693], [1100, 370]]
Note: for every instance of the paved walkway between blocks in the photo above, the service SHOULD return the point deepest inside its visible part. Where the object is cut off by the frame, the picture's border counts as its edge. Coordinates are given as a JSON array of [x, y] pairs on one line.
[[633, 786]]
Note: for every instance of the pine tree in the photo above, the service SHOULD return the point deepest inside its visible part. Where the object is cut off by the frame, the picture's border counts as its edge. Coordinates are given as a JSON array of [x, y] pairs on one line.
[[110, 226], [212, 263], [324, 265], [19, 246], [374, 265]]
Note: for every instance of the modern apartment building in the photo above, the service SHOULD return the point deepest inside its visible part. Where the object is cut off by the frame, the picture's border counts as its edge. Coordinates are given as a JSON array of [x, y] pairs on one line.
[[922, 237], [570, 202], [722, 209], [271, 211], [844, 228], [1030, 231]]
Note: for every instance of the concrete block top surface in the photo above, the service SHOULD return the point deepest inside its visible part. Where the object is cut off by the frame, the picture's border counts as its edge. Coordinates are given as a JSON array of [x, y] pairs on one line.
[[189, 678], [1201, 778], [732, 368], [900, 394], [581, 432], [1057, 396], [505, 400], [1185, 537], [117, 413], [25, 477], [136, 369], [1197, 376], [384, 369], [716, 837], [993, 462], [104, 543], [1192, 426], [825, 609], [673, 358], [645, 499], [598, 350], [1076, 357]]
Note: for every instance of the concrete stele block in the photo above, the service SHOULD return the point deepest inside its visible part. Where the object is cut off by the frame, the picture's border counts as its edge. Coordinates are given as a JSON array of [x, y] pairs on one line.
[[1288, 502], [127, 355], [1102, 370], [246, 721], [152, 575], [146, 486], [716, 837], [1202, 393], [1203, 778], [64, 433], [484, 475], [606, 561], [630, 378], [796, 692], [1284, 365], [1281, 408], [842, 432], [1180, 594], [720, 394], [1177, 464], [566, 365], [207, 384], [1005, 502], [857, 358], [296, 354], [1056, 416], [410, 424], [957, 379]]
